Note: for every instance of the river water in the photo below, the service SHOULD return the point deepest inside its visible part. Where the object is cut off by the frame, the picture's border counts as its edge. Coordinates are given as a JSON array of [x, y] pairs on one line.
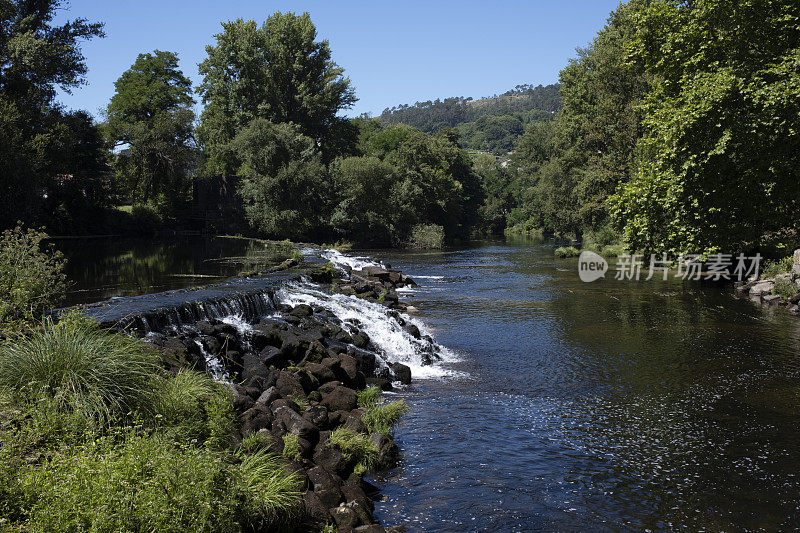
[[562, 405], [589, 407]]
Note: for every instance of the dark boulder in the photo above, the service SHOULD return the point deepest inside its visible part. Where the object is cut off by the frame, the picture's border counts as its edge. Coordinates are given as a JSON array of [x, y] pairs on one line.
[[314, 507], [296, 424], [254, 419], [317, 415], [268, 396], [322, 372], [381, 383], [340, 399], [402, 373], [288, 384]]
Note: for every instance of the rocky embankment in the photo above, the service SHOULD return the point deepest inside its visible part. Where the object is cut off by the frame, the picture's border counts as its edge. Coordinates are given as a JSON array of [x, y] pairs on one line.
[[295, 376], [781, 289]]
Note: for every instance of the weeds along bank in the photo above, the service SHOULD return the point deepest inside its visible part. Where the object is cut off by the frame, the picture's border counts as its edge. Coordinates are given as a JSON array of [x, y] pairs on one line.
[[104, 431]]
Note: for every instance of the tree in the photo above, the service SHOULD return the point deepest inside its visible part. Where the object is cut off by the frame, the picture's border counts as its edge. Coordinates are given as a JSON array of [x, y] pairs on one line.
[[284, 181], [278, 72], [35, 58], [717, 170], [151, 113]]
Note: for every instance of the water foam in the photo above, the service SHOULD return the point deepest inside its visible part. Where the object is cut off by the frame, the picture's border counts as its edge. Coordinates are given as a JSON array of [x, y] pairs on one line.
[[341, 261], [394, 343]]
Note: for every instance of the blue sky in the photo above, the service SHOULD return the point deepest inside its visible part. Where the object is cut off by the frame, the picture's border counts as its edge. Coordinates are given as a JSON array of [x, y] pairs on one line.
[[394, 52]]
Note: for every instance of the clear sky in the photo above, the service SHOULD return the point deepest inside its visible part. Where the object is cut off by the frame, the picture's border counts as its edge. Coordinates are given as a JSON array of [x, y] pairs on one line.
[[394, 52]]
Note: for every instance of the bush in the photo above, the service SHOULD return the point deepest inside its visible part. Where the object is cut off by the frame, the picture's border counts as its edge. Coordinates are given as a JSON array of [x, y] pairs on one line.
[[613, 250], [131, 484], [785, 288], [356, 447], [427, 237], [369, 397], [81, 367], [780, 266], [291, 446], [566, 251], [30, 277]]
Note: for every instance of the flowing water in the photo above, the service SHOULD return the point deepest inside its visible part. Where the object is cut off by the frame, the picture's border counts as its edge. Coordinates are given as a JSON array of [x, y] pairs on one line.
[[569, 406]]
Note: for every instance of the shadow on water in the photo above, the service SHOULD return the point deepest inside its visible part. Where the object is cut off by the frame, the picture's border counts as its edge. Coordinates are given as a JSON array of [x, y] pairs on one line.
[[606, 406]]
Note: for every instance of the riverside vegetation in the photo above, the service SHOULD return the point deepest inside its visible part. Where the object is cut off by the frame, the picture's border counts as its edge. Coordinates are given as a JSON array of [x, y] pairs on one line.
[[107, 432]]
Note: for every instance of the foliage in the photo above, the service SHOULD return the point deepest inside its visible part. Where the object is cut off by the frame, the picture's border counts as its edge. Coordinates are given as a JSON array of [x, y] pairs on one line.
[[426, 236], [277, 72], [718, 167], [355, 447], [42, 146], [284, 179], [271, 493], [31, 277], [151, 113], [780, 266], [190, 404], [81, 367], [564, 252], [380, 418], [785, 288]]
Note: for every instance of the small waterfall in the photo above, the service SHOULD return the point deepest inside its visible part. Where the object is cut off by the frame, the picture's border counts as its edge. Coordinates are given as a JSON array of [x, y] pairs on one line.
[[214, 366], [391, 332], [243, 306], [346, 262]]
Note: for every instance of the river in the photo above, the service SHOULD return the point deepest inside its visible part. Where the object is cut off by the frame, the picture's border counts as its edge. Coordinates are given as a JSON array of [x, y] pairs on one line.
[[606, 406]]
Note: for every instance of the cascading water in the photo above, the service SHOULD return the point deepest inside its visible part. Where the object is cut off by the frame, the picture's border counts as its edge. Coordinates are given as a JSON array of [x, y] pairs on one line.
[[385, 327], [341, 261]]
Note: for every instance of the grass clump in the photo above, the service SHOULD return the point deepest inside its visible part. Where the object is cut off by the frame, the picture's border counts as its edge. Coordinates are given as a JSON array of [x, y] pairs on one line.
[[291, 447], [369, 397], [356, 447], [31, 277], [613, 250], [193, 405], [785, 288], [81, 367], [271, 494], [564, 252], [426, 237], [383, 417]]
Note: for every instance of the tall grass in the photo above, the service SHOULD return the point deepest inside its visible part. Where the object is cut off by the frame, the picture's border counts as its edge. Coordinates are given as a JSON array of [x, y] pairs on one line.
[[81, 367], [382, 418], [271, 493], [356, 447]]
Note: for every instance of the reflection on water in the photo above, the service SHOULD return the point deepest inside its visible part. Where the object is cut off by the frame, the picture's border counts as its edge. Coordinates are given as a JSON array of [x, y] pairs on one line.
[[605, 406], [100, 268]]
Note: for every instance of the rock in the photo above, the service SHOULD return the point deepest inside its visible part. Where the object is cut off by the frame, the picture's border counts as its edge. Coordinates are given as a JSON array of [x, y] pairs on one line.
[[383, 384], [387, 449], [289, 385], [241, 399], [296, 424], [254, 419], [344, 516], [314, 396], [269, 396], [302, 310], [348, 373], [266, 335], [762, 288], [284, 402], [330, 497], [377, 272], [354, 493], [796, 262], [315, 508], [204, 327], [323, 479], [322, 372], [412, 330], [402, 373], [769, 298], [371, 528], [317, 415], [360, 340], [354, 423], [272, 356], [332, 459], [340, 399], [328, 387]]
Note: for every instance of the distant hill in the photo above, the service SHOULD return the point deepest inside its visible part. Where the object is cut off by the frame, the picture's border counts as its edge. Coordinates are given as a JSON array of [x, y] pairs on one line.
[[489, 124]]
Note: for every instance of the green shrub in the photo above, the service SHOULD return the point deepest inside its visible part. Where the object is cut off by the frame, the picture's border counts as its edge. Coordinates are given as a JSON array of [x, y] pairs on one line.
[[255, 442], [785, 288], [81, 366], [566, 251], [427, 237], [31, 277], [381, 418], [192, 405], [613, 250], [132, 483], [780, 266], [356, 447]]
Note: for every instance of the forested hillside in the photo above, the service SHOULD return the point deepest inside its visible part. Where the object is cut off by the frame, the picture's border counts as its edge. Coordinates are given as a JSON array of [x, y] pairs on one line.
[[487, 124]]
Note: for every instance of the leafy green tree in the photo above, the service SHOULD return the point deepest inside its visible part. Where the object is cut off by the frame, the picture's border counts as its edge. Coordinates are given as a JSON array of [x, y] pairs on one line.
[[278, 72], [496, 181], [36, 56], [368, 209], [151, 113], [284, 180], [718, 169]]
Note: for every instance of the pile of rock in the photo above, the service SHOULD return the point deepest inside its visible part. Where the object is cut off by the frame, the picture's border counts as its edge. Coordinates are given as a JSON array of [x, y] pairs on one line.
[[782, 289], [303, 357], [375, 283]]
